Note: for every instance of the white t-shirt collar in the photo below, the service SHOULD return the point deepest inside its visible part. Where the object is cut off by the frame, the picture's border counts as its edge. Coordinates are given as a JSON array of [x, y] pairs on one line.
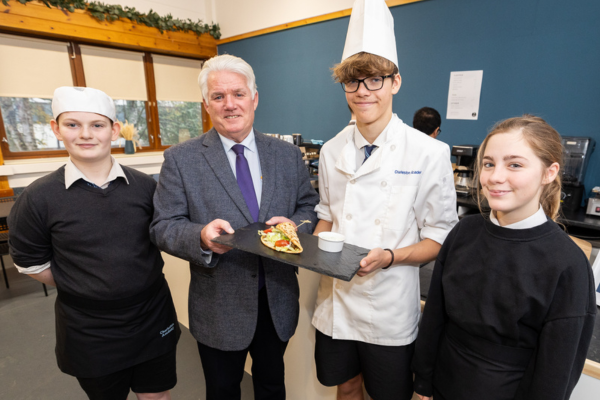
[[536, 219], [73, 174]]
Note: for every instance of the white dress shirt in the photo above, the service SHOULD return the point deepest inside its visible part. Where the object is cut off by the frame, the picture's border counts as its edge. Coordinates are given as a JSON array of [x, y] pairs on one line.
[[251, 154], [360, 142], [72, 175]]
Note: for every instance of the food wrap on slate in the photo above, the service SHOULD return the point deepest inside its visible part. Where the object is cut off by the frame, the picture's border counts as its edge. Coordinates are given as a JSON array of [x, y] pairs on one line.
[[282, 237]]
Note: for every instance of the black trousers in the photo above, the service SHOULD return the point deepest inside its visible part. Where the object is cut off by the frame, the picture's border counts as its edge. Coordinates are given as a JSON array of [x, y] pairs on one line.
[[224, 370]]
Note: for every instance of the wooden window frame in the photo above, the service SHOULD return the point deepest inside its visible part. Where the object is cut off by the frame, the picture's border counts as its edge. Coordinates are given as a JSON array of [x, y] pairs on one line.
[[78, 75]]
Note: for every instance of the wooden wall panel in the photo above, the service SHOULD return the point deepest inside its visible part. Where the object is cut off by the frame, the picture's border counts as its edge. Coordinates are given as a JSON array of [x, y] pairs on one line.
[[36, 18]]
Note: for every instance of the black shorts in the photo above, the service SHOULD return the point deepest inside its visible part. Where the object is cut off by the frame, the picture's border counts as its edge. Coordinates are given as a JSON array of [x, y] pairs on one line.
[[152, 376], [385, 369]]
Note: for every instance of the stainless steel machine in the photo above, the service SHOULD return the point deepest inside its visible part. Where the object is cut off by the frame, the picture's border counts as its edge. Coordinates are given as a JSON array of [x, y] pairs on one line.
[[310, 155], [576, 155], [593, 207], [466, 156]]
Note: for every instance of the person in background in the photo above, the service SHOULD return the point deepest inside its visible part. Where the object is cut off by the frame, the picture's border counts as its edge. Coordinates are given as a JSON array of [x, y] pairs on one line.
[[388, 188], [228, 178], [428, 121], [511, 306], [85, 229]]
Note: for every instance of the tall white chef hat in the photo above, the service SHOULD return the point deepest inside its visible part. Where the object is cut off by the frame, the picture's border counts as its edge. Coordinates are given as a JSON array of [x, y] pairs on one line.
[[82, 99], [371, 30]]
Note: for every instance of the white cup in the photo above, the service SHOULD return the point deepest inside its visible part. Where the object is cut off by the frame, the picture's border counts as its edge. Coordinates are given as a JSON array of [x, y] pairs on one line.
[[331, 242]]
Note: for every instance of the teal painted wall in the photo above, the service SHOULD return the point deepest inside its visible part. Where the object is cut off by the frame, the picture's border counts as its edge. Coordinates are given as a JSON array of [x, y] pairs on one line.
[[540, 57]]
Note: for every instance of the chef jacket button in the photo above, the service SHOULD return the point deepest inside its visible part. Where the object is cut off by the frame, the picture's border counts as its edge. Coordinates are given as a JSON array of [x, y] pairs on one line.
[[353, 181], [377, 222], [383, 184], [393, 148], [444, 180], [349, 217], [338, 286]]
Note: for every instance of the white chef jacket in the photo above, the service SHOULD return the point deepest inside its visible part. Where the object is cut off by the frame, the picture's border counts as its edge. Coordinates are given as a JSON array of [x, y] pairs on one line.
[[403, 193]]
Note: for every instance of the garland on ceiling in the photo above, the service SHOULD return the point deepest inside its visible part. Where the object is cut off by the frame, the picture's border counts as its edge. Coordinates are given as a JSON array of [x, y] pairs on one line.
[[109, 12]]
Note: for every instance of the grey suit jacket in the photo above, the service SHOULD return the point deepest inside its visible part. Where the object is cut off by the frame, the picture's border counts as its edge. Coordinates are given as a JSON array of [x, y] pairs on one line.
[[196, 186]]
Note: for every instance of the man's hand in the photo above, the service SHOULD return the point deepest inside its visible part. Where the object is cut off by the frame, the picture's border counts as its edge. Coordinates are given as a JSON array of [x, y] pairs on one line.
[[212, 230], [377, 258], [279, 220], [423, 397]]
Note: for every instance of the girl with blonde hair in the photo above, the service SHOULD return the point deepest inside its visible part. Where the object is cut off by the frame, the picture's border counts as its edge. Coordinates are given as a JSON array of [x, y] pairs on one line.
[[511, 307]]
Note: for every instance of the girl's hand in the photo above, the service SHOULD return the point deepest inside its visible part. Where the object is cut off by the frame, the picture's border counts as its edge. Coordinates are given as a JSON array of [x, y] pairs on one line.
[[377, 258]]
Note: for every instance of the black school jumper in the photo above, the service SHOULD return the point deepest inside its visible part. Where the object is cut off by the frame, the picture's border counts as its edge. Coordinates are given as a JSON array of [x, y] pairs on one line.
[[114, 308], [509, 315]]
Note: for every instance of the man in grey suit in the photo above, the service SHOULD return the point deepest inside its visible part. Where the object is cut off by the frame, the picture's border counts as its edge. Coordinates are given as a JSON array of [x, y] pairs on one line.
[[225, 179]]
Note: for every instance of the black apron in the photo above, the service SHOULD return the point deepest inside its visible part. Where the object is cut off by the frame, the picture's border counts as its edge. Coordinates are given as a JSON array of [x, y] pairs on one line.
[[469, 367], [98, 337]]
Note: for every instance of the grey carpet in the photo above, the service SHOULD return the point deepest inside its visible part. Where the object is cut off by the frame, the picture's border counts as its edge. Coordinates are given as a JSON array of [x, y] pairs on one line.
[[28, 368]]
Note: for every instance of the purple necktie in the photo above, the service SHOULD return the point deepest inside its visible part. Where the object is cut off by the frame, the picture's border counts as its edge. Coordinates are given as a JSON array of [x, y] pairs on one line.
[[244, 180]]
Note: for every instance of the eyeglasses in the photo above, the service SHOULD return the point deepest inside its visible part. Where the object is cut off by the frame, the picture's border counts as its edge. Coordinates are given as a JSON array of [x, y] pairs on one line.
[[371, 84]]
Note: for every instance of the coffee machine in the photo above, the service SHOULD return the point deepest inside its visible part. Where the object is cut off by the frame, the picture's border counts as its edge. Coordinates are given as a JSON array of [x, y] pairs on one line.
[[310, 155], [576, 155], [466, 156], [593, 207]]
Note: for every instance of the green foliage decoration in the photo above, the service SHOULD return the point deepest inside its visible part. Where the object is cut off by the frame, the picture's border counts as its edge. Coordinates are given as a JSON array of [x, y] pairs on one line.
[[108, 12]]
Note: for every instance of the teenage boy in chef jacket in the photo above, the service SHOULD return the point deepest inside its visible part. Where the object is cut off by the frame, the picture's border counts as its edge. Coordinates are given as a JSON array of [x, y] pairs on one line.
[[389, 188], [85, 229]]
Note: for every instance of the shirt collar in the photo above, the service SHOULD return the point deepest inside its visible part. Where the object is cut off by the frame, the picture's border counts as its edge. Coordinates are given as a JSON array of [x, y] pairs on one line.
[[249, 142], [536, 219], [360, 141], [73, 174]]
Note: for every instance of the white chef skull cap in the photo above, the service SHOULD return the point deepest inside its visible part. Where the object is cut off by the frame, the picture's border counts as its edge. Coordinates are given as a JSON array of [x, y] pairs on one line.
[[371, 29], [83, 99]]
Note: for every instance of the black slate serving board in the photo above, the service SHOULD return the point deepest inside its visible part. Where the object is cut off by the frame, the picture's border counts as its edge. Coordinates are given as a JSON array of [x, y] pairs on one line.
[[342, 265]]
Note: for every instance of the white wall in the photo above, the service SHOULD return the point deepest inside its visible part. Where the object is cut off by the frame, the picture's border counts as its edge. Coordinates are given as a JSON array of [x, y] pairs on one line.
[[178, 275], [239, 16], [242, 16], [183, 9]]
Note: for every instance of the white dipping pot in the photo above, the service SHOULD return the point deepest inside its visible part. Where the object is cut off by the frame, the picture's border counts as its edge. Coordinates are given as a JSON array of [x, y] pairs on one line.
[[331, 242]]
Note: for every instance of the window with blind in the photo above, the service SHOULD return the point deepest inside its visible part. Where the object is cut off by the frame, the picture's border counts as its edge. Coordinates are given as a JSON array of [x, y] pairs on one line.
[[158, 94], [179, 98], [29, 72], [119, 74]]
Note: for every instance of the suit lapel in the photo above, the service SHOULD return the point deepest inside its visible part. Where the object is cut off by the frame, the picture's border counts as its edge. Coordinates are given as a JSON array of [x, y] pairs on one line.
[[217, 159], [268, 167]]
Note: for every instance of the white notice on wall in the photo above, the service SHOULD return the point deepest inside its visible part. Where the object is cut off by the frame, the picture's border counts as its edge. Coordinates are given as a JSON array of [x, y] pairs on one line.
[[463, 95]]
